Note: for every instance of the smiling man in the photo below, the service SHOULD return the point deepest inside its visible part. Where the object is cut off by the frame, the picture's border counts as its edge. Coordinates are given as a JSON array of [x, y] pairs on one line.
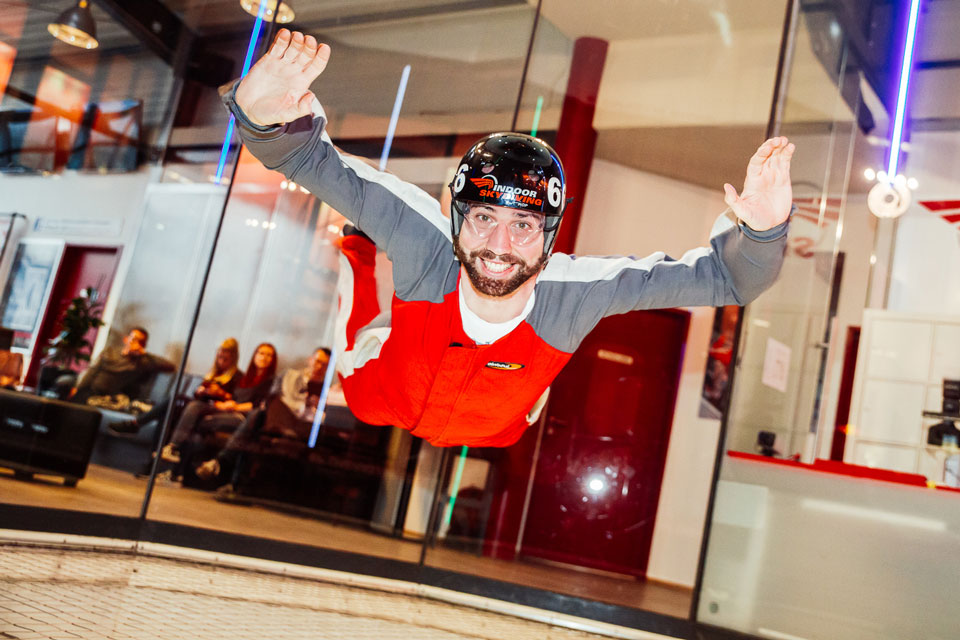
[[484, 315]]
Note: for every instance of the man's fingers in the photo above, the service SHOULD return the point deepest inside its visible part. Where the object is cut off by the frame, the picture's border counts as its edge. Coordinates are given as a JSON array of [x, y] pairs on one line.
[[280, 43], [319, 62], [769, 153], [309, 50], [762, 154], [781, 161], [296, 46]]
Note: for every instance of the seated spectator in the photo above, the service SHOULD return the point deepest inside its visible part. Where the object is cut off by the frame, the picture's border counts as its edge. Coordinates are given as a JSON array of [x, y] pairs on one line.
[[201, 417], [218, 384], [223, 376], [120, 374], [289, 413], [11, 369]]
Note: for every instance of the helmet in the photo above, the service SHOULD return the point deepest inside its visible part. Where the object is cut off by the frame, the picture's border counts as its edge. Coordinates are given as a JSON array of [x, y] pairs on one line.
[[511, 170]]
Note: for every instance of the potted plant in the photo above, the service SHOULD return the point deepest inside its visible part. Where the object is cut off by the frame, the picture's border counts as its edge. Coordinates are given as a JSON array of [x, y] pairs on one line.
[[70, 348]]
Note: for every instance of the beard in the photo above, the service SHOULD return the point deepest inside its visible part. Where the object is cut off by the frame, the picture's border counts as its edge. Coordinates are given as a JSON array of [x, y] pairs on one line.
[[491, 286]]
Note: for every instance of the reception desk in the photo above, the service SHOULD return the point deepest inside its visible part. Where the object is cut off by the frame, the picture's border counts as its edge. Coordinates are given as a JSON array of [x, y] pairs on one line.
[[831, 551]]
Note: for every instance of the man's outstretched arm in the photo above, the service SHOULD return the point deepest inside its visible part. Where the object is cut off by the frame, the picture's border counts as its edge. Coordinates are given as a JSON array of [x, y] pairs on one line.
[[282, 124], [742, 261]]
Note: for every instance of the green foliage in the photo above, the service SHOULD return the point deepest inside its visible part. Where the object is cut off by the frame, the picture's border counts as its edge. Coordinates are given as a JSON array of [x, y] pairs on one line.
[[71, 346]]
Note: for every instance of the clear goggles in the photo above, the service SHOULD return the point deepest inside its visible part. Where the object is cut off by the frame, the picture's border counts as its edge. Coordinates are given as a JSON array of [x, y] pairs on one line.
[[523, 227]]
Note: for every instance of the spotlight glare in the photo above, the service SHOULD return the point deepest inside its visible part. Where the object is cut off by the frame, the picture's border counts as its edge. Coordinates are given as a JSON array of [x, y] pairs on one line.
[[869, 174], [882, 176], [596, 484], [913, 183]]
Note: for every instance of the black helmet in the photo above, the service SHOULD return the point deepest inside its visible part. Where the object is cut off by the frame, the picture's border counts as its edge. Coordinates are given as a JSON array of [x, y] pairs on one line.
[[511, 170]]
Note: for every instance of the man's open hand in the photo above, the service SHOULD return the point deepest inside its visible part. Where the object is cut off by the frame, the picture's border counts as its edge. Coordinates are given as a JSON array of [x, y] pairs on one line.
[[277, 89], [767, 193]]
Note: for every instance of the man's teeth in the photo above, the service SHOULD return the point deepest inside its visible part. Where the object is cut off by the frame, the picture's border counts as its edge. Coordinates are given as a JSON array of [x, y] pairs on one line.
[[497, 267]]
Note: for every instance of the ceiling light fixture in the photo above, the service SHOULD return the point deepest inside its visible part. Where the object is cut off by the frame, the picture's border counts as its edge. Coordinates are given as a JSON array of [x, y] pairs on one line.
[[891, 196], [285, 13], [76, 27]]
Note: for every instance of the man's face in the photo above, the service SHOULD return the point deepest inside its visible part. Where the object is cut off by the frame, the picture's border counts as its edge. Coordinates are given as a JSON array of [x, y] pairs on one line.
[[318, 365], [135, 343], [496, 263]]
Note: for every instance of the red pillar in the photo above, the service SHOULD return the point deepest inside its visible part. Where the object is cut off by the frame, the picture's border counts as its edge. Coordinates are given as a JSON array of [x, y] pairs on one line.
[[576, 137]]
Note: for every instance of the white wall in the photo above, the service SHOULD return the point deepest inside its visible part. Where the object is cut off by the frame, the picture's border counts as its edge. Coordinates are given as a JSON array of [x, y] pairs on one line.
[[632, 212], [71, 196], [925, 276], [916, 257]]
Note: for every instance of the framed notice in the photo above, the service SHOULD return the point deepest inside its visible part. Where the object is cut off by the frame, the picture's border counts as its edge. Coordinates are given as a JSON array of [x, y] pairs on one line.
[[28, 287]]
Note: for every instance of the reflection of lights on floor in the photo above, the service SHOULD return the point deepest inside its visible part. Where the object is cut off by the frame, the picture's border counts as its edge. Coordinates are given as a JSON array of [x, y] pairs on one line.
[[596, 484], [875, 515]]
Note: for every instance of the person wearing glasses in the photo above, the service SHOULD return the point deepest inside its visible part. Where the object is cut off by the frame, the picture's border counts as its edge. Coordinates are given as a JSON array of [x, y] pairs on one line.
[[484, 315]]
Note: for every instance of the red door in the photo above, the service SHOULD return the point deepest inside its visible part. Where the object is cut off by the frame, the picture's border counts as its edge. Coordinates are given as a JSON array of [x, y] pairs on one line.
[[80, 267], [604, 446]]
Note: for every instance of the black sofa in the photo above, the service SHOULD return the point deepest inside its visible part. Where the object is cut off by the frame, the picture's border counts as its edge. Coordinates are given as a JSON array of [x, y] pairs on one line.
[[46, 436]]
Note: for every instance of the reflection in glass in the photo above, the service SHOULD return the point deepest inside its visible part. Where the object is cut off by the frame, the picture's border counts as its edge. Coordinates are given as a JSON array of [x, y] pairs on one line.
[[600, 500], [273, 277], [873, 475], [94, 230]]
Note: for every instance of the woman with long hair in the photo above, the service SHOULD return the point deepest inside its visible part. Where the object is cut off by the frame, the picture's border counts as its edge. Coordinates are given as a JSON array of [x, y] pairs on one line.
[[202, 417], [224, 374]]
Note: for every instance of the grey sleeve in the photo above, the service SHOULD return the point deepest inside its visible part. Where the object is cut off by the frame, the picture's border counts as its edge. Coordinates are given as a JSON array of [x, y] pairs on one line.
[[399, 217], [573, 293], [159, 364]]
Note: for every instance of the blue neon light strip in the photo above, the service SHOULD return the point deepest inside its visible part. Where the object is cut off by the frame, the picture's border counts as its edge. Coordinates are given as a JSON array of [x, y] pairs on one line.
[[328, 379], [247, 62], [322, 403], [397, 102], [897, 137]]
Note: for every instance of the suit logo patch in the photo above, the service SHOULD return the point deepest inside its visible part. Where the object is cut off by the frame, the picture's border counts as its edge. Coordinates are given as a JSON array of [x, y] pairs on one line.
[[504, 366]]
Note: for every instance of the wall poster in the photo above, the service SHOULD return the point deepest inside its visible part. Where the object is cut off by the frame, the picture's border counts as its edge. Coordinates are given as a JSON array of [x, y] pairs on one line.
[[28, 288]]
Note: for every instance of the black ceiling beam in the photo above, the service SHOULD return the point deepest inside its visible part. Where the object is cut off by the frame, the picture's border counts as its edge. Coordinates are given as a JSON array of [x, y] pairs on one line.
[[159, 29], [164, 33]]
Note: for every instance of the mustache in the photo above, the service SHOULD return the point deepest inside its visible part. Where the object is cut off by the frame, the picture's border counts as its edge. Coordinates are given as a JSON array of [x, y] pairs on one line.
[[486, 254]]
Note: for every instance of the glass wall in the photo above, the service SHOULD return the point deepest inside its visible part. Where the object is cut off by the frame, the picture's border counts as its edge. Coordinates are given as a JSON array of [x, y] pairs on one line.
[[604, 498], [123, 201], [102, 252], [839, 474], [341, 484]]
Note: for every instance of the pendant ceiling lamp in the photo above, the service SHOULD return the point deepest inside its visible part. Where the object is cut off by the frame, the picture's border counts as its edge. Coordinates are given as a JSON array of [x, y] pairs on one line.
[[76, 27], [284, 12]]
